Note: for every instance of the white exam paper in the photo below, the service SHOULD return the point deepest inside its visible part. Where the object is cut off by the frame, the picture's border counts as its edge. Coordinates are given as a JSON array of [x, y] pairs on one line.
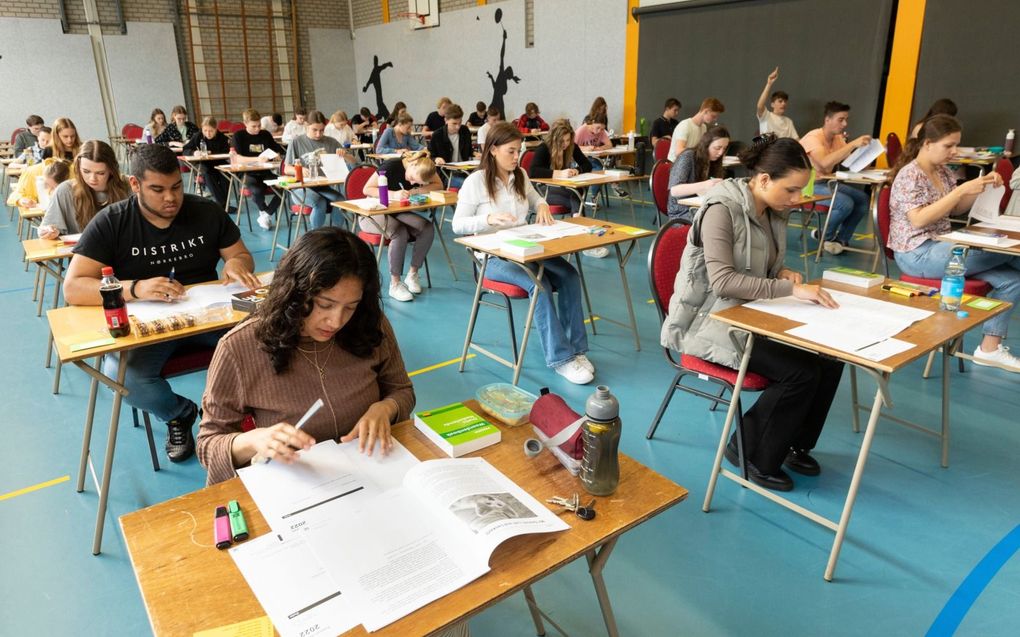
[[268, 155], [199, 298], [863, 156], [986, 206], [334, 167]]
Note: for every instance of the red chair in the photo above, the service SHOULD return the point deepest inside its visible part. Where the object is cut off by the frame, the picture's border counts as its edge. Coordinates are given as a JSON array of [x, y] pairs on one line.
[[131, 131], [893, 148], [185, 361], [1005, 169], [505, 291], [224, 126], [526, 158], [664, 258], [559, 211], [660, 186], [661, 150], [17, 131], [236, 126]]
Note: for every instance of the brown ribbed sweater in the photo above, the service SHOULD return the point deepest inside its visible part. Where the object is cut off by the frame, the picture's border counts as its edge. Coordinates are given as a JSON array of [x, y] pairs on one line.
[[242, 381]]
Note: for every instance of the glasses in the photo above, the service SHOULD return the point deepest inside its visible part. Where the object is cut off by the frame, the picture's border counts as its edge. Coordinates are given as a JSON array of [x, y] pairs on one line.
[[763, 140]]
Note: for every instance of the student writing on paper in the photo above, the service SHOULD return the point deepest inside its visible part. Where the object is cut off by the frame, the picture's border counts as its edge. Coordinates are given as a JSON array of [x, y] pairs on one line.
[[477, 118], [452, 141], [943, 106], [304, 147], [735, 253], [295, 126], [362, 123], [414, 173], [688, 133], [664, 124], [273, 124], [492, 116], [774, 120], [398, 109], [339, 128], [924, 195], [336, 345], [38, 148], [499, 195], [531, 121], [696, 171], [95, 182], [827, 147], [179, 130], [64, 142], [249, 144], [437, 118], [398, 137], [556, 157], [593, 135], [23, 193], [156, 124], [598, 107], [26, 193], [142, 238], [29, 137], [216, 143]]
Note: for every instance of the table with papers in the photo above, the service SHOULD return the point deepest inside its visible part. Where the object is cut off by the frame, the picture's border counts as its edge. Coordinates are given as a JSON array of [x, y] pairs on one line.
[[896, 330]]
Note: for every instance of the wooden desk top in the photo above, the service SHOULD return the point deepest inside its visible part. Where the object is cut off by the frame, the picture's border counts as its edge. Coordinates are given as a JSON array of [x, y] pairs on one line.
[[248, 168], [209, 157], [609, 152], [572, 244], [595, 181], [45, 250], [307, 183], [384, 156], [927, 334], [1012, 234], [395, 207], [171, 549], [697, 200], [31, 213]]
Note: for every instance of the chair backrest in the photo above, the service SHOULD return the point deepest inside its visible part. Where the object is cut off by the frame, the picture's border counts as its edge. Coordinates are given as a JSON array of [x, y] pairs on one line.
[[224, 125], [664, 262], [893, 147], [14, 135], [661, 150], [354, 185], [660, 185], [882, 215], [1005, 169], [526, 159], [131, 131], [236, 126]]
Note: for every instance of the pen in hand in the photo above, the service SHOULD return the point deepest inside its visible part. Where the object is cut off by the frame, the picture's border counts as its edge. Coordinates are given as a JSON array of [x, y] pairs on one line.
[[316, 406]]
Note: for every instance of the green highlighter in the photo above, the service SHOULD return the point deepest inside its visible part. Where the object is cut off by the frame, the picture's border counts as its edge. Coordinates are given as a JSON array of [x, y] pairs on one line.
[[238, 527]]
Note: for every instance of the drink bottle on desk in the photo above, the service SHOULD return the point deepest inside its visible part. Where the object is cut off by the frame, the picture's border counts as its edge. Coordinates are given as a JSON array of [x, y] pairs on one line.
[[953, 280], [299, 171], [114, 306], [233, 158], [1007, 148], [384, 189], [600, 466]]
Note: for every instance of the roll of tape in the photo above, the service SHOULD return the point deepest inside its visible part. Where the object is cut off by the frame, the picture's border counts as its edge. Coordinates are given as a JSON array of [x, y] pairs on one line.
[[532, 447]]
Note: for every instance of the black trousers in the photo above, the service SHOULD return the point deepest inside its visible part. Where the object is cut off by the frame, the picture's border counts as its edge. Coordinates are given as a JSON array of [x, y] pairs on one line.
[[258, 189], [216, 183], [557, 196], [792, 411]]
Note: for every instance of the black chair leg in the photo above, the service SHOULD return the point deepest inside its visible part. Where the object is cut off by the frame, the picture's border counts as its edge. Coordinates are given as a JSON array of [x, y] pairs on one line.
[[134, 416], [715, 403], [152, 443], [740, 441], [510, 321], [664, 404], [428, 275]]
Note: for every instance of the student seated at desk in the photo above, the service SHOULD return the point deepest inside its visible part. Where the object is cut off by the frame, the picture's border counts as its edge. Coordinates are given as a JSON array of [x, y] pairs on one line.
[[436, 118], [273, 124], [398, 137], [478, 117], [734, 254], [452, 142], [531, 121], [362, 123], [339, 128], [492, 116], [593, 135], [303, 147], [664, 125], [598, 107], [414, 173], [25, 193], [157, 124], [696, 171], [249, 144], [556, 158], [216, 143], [398, 108], [142, 238], [30, 136], [924, 195], [775, 120], [180, 129], [943, 106], [499, 195], [37, 151], [94, 184], [64, 141], [688, 133], [295, 126]]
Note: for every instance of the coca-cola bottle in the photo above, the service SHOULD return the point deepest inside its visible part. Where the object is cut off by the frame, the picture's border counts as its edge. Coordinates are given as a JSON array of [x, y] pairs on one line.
[[113, 305]]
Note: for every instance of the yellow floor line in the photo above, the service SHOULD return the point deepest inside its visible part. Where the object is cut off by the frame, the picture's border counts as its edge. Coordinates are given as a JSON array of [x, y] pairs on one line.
[[34, 487], [438, 365], [588, 321]]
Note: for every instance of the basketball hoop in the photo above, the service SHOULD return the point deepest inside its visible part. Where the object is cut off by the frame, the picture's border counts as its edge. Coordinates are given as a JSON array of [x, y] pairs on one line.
[[417, 20]]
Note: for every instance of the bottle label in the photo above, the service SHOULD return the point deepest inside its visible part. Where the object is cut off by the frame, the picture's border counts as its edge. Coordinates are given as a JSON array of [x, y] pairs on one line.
[[116, 318], [952, 288]]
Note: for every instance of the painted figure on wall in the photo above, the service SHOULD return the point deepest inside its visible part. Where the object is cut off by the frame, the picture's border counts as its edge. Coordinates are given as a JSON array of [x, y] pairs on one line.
[[375, 78], [499, 83]]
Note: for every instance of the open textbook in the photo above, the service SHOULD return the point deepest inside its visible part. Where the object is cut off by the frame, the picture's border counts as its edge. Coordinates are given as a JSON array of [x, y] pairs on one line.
[[391, 532]]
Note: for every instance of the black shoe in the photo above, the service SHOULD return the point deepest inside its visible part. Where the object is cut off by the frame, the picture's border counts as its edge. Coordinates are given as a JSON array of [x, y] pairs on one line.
[[180, 444], [776, 482], [800, 461]]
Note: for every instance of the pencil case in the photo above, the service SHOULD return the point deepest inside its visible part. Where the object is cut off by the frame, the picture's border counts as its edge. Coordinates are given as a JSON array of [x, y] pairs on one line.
[[552, 417]]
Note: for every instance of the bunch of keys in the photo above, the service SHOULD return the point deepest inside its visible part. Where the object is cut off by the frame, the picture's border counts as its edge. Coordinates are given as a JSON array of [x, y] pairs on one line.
[[586, 512]]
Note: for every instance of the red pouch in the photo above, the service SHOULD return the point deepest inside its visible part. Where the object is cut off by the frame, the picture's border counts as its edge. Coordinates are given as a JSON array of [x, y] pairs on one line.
[[551, 414]]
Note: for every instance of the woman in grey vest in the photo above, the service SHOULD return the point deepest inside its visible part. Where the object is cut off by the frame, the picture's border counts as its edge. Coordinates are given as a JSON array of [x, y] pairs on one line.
[[734, 254]]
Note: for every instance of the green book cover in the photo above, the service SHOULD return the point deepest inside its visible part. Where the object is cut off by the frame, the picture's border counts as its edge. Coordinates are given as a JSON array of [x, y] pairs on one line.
[[523, 243], [456, 429], [860, 273]]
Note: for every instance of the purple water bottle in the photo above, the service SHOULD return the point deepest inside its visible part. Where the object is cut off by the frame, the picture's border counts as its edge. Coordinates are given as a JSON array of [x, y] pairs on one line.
[[384, 189]]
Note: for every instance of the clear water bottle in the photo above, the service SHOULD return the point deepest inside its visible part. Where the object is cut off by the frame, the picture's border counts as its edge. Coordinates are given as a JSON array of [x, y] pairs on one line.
[[630, 140], [203, 148], [600, 433], [952, 281]]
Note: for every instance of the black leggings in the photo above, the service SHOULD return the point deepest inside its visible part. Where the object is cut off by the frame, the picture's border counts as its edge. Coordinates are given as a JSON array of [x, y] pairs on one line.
[[254, 183], [216, 183]]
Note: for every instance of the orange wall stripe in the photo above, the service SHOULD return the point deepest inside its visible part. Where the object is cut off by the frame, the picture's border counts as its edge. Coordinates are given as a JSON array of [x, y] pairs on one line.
[[481, 2], [385, 10], [630, 69], [899, 87]]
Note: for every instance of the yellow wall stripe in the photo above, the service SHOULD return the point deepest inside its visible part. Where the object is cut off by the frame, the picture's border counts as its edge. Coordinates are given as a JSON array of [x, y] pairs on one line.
[[385, 10], [34, 487], [630, 68], [899, 87], [481, 2], [438, 365]]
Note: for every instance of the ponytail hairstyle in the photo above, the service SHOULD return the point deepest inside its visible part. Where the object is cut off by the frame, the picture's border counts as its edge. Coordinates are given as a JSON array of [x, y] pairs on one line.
[[775, 157], [559, 157], [86, 206], [703, 167], [933, 129], [422, 161], [499, 134]]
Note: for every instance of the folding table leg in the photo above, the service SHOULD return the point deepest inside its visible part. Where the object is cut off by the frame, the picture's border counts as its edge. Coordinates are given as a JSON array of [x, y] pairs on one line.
[[111, 446], [728, 423], [596, 562], [474, 312]]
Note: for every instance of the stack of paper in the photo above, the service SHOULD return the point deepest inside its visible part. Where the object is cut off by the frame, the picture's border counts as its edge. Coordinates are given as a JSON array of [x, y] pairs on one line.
[[534, 232], [200, 297], [368, 203]]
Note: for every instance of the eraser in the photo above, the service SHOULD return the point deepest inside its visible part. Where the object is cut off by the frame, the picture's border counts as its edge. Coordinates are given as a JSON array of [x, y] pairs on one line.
[[962, 314]]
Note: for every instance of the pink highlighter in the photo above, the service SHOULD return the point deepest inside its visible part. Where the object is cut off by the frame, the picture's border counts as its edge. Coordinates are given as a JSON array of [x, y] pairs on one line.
[[221, 528]]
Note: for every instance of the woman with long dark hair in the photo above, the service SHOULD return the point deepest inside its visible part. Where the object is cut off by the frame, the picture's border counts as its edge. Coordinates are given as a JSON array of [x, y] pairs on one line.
[[942, 106], [320, 333], [696, 171]]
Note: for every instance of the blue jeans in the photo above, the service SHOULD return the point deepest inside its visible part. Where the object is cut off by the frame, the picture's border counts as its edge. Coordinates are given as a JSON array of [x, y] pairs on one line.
[[1001, 271], [845, 212], [318, 199], [563, 337], [148, 390]]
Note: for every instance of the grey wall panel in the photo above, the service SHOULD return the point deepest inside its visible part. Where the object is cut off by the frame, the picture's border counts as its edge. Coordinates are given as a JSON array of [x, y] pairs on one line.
[[826, 50], [976, 66], [145, 71], [333, 70]]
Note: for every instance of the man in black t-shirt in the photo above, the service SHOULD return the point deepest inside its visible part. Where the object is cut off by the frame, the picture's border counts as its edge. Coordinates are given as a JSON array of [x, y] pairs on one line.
[[663, 126], [143, 238]]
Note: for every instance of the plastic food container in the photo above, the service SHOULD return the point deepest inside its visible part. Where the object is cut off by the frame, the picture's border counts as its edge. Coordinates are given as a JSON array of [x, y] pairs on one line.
[[507, 403]]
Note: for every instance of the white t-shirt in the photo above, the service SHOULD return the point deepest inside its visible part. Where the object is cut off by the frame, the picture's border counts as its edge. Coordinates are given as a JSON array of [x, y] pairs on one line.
[[688, 132], [455, 141], [268, 124], [343, 135], [474, 204], [781, 125], [292, 130], [482, 130]]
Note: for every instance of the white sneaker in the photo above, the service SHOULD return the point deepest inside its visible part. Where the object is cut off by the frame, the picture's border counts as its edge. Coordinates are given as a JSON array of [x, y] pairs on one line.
[[833, 247], [583, 361], [1000, 357], [265, 220], [574, 372], [597, 253], [413, 283], [400, 292]]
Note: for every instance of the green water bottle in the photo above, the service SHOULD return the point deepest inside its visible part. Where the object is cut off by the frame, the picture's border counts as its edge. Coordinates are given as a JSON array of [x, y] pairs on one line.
[[809, 189]]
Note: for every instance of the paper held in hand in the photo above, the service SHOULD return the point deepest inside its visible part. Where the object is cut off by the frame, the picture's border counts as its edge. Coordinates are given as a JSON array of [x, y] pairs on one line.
[[334, 167], [986, 210], [863, 156]]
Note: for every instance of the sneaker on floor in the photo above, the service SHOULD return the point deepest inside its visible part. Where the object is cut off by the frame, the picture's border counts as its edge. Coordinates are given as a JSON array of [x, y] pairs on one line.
[[815, 233], [574, 372], [1000, 357], [597, 253], [833, 247], [413, 283], [265, 220], [400, 292], [180, 443], [583, 361], [620, 192]]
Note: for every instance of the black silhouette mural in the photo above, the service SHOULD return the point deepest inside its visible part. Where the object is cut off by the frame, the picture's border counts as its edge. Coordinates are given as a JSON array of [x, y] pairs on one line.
[[376, 78], [505, 74]]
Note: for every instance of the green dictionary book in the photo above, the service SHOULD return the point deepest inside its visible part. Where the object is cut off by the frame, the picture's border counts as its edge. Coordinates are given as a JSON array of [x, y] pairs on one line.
[[456, 429], [850, 276]]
